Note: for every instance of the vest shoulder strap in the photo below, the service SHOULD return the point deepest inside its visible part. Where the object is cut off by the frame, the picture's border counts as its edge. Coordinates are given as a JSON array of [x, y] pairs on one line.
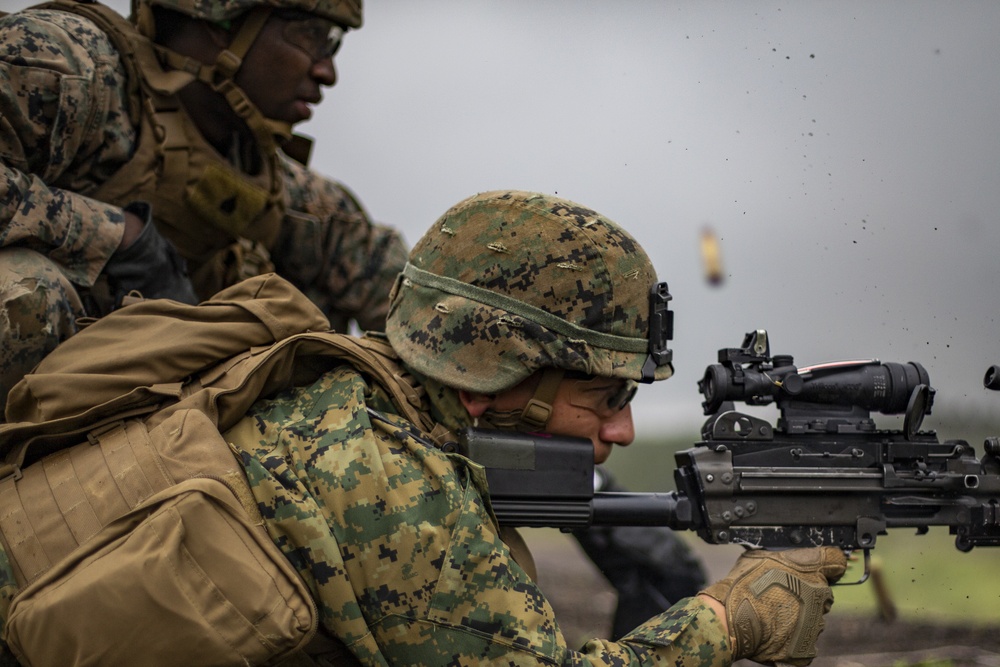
[[227, 390]]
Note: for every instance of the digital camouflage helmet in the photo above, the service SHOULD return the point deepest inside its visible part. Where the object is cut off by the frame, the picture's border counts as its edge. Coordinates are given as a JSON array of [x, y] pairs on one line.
[[346, 13], [506, 283]]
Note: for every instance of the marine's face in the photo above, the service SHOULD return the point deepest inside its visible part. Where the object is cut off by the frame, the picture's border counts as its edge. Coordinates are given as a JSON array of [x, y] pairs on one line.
[[593, 408], [289, 63]]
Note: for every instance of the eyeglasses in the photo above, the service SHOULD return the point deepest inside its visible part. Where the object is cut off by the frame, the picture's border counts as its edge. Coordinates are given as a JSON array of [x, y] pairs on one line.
[[605, 397], [319, 38]]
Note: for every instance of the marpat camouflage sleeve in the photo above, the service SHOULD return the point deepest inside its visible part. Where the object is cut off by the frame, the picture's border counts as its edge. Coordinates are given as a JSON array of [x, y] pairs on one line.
[[63, 130], [400, 551], [329, 249]]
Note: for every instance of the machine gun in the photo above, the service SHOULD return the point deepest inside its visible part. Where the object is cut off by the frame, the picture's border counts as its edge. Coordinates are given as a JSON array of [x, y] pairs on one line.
[[823, 475]]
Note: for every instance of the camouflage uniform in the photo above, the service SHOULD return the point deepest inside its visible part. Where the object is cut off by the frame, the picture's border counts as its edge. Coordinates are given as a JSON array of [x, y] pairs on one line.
[[64, 131], [399, 547], [394, 536]]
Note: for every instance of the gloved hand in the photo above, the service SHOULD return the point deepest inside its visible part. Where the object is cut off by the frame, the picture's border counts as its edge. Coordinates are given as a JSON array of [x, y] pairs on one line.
[[775, 601], [149, 265]]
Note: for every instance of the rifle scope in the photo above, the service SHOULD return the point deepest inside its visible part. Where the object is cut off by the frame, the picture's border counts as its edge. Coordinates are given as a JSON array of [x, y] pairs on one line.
[[869, 384]]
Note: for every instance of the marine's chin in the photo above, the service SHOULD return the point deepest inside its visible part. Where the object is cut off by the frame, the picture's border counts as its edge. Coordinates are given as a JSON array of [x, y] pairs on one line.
[[302, 111]]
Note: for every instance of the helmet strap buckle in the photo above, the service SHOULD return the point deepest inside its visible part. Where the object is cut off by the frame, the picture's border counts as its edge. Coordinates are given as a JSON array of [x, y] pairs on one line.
[[538, 410]]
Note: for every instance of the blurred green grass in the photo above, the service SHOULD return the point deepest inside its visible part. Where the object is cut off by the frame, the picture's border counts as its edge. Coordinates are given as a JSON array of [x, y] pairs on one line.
[[927, 578]]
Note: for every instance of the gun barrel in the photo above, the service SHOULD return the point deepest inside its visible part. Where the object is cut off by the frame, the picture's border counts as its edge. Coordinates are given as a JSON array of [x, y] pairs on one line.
[[642, 509], [602, 509]]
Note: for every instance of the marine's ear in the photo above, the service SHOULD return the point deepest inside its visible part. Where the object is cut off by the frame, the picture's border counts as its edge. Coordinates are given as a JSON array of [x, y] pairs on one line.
[[475, 403]]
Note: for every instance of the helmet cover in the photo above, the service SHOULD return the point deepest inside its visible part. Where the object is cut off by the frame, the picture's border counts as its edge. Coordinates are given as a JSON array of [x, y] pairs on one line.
[[506, 283], [346, 13]]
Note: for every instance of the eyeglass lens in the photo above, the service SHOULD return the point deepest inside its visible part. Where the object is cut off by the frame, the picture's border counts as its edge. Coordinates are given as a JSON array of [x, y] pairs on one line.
[[317, 37], [603, 396]]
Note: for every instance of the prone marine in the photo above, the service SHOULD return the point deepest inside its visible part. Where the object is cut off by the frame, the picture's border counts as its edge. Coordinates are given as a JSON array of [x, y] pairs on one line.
[[515, 311], [352, 531]]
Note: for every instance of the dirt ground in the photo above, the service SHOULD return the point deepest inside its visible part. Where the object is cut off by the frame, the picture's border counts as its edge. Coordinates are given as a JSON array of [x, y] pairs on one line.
[[584, 602]]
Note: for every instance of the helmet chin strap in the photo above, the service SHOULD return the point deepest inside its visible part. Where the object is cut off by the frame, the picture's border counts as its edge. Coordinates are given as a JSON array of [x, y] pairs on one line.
[[535, 415], [220, 75]]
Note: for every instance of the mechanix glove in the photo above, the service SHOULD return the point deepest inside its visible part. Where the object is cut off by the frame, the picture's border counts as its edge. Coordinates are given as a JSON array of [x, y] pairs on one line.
[[149, 266], [775, 601]]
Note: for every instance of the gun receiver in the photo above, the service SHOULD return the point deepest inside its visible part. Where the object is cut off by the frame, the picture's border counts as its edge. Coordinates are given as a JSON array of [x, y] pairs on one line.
[[823, 475]]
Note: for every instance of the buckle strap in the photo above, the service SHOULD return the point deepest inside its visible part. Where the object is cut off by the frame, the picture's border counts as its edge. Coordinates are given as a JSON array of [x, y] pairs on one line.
[[538, 410]]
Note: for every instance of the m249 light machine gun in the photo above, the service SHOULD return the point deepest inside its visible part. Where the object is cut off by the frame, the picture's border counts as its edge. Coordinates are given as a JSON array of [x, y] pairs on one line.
[[823, 475]]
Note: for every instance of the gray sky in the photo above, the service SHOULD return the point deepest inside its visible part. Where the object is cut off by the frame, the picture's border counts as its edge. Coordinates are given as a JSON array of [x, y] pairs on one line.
[[846, 153]]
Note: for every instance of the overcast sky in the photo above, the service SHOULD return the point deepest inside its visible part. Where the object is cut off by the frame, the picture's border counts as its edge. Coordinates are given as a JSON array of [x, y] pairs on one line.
[[847, 155]]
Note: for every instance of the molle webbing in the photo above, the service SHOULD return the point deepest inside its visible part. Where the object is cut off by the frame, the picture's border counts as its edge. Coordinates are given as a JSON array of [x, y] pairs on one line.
[[68, 497]]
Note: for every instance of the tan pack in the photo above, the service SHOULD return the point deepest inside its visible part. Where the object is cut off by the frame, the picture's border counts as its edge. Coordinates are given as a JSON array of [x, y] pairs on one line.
[[128, 523], [143, 547]]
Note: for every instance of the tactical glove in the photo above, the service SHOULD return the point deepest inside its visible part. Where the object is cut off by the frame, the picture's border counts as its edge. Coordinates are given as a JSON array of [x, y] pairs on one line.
[[775, 601], [149, 266]]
